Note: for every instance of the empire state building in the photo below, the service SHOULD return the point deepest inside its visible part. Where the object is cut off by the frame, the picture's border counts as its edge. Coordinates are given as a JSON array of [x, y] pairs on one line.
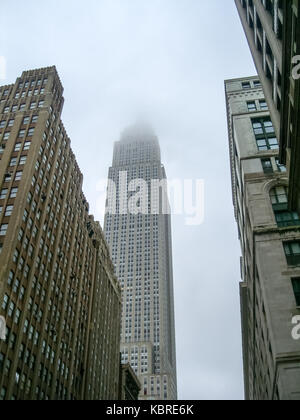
[[141, 250]]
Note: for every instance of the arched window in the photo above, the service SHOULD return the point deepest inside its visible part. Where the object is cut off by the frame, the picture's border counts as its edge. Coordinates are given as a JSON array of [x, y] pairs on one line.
[[279, 199]]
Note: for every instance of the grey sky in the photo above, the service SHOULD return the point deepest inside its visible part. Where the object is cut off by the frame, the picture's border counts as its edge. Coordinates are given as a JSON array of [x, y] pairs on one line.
[[166, 60]]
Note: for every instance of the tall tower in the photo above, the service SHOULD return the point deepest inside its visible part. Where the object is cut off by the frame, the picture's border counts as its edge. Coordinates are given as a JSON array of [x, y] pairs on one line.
[[140, 244], [270, 241], [58, 293]]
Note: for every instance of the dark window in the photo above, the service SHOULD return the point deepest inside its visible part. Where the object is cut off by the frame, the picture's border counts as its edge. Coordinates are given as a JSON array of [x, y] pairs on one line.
[[251, 106], [296, 287], [267, 166], [279, 199], [246, 85], [263, 105], [287, 218], [292, 252]]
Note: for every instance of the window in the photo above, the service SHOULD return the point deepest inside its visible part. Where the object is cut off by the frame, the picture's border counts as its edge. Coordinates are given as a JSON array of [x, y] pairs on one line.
[[7, 177], [30, 132], [264, 134], [280, 167], [3, 229], [21, 133], [18, 176], [17, 147], [296, 287], [26, 120], [267, 166], [34, 119], [246, 85], [13, 162], [256, 83], [9, 210], [11, 123], [22, 160], [263, 105], [279, 198], [251, 106], [10, 278], [287, 218], [41, 104], [3, 392], [6, 135], [2, 124], [292, 252], [13, 192], [33, 105], [3, 193], [27, 145]]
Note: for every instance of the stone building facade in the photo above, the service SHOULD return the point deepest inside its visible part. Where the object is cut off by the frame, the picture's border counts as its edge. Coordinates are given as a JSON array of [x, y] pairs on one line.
[[270, 241], [58, 292]]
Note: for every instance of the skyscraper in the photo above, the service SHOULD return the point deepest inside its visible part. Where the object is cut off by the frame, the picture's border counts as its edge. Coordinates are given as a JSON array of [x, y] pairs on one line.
[[58, 292], [273, 33], [140, 243], [270, 241]]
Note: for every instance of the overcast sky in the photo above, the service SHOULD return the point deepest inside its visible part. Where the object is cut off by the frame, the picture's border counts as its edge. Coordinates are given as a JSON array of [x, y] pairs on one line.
[[166, 60]]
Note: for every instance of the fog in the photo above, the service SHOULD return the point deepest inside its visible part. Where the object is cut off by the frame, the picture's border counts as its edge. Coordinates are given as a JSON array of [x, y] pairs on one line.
[[164, 60]]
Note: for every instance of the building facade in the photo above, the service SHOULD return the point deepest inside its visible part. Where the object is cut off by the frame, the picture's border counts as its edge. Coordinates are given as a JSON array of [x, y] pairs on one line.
[[59, 296], [270, 241], [140, 245], [273, 33], [130, 386]]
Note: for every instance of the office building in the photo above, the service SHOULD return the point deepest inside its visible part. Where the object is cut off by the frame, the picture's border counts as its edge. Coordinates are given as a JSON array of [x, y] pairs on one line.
[[130, 386], [58, 292], [140, 245], [273, 33], [270, 241]]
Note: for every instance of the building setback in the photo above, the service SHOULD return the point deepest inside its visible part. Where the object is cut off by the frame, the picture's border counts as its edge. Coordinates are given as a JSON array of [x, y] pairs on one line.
[[270, 240], [58, 293], [140, 245], [129, 385], [273, 33]]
